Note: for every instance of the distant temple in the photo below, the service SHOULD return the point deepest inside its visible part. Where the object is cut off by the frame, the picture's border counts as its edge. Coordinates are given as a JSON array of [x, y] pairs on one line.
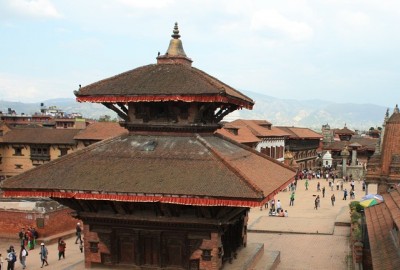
[[170, 194]]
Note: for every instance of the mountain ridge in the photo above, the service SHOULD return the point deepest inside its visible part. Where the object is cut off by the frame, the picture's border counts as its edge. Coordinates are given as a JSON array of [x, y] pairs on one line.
[[311, 113]]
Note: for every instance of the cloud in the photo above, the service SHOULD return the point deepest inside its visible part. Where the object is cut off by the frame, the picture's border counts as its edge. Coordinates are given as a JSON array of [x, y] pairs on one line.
[[26, 89], [269, 19], [34, 8], [146, 4]]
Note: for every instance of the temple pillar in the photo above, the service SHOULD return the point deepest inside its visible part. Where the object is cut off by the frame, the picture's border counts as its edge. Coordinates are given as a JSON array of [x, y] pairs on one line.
[[344, 166], [354, 157]]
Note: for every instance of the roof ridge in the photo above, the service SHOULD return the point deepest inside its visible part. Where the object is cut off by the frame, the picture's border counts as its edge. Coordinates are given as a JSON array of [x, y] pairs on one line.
[[252, 185], [254, 151], [215, 81]]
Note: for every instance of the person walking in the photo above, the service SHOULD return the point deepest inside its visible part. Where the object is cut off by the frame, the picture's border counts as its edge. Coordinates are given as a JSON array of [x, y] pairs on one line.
[[345, 194], [306, 184], [291, 199], [22, 256], [316, 202], [11, 258], [43, 254], [78, 233], [323, 192], [61, 248], [333, 199], [318, 187]]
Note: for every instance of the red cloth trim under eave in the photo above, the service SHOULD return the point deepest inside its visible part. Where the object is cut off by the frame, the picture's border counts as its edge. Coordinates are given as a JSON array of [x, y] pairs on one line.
[[131, 198], [192, 98]]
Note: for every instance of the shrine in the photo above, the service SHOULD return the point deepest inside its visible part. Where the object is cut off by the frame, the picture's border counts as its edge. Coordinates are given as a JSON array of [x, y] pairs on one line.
[[171, 194]]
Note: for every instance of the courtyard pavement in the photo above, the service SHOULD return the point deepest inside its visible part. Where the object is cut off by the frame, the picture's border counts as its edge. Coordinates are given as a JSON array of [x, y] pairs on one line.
[[307, 238]]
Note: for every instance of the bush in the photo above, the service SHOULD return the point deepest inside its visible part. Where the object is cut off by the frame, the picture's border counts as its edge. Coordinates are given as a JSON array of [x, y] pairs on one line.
[[357, 233], [355, 206], [355, 216]]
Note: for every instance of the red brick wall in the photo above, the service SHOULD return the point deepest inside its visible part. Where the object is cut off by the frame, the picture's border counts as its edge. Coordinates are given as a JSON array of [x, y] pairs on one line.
[[215, 263], [55, 222], [93, 257]]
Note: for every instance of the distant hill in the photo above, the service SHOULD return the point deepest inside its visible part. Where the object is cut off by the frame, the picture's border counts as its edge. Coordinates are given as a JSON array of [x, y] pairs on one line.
[[302, 113]]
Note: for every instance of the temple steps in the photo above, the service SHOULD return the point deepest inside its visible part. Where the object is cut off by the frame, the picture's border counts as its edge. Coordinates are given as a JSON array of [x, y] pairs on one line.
[[254, 257]]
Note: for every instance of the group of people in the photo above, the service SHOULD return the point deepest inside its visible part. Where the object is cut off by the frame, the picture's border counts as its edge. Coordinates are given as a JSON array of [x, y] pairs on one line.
[[276, 209], [28, 237], [28, 240]]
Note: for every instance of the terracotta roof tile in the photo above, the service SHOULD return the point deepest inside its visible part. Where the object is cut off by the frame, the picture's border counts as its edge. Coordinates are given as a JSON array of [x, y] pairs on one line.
[[161, 79], [244, 135], [379, 219], [100, 131], [299, 132], [40, 136], [343, 131]]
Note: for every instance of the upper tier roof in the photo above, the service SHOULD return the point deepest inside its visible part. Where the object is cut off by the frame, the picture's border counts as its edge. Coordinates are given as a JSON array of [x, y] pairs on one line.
[[163, 82]]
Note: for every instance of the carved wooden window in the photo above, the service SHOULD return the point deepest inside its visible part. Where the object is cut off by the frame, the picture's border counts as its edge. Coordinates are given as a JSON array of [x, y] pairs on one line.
[[17, 151], [40, 152], [63, 151], [206, 256], [93, 246]]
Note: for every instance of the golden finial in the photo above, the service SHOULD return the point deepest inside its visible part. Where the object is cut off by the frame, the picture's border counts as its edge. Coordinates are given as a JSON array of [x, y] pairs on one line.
[[175, 34]]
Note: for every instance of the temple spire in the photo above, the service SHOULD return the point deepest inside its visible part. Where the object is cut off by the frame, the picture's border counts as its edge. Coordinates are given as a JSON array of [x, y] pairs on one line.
[[175, 52], [175, 34], [396, 109]]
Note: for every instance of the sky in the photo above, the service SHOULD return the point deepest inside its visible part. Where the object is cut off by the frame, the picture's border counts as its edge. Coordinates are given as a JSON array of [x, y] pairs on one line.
[[341, 51]]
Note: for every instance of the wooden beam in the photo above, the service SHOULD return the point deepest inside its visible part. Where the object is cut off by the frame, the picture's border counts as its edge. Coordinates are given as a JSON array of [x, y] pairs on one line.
[[118, 111], [122, 107]]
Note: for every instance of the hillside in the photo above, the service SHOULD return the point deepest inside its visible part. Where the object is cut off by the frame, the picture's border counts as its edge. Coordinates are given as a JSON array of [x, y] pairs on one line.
[[304, 113]]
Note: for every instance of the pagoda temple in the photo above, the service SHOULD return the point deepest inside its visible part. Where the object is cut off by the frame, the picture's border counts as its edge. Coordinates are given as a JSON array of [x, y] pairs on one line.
[[170, 194], [383, 168]]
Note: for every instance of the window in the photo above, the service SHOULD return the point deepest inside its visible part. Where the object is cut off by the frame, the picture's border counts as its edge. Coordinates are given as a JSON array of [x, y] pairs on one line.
[[18, 151], [18, 166], [63, 151], [40, 152]]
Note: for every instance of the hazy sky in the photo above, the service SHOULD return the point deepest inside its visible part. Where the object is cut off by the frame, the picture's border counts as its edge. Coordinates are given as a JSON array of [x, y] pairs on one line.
[[343, 51]]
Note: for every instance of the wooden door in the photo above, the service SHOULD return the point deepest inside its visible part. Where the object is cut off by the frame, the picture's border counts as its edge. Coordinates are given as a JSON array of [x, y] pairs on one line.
[[126, 249]]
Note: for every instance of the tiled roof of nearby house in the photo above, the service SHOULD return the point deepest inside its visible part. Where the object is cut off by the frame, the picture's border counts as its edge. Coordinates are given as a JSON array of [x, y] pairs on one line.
[[162, 82], [250, 131], [36, 135], [238, 134], [100, 131], [366, 144], [260, 128], [301, 133], [380, 219], [159, 165]]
